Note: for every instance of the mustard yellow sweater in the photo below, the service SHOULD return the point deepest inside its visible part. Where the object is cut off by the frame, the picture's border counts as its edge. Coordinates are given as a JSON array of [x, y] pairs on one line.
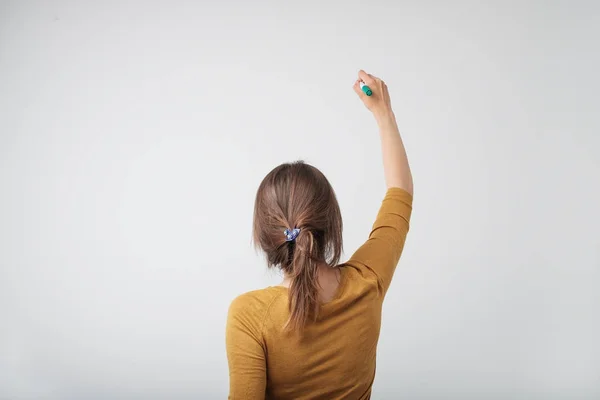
[[334, 357]]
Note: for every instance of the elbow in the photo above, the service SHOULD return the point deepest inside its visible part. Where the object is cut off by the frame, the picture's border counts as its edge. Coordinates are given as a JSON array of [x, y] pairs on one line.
[[404, 184]]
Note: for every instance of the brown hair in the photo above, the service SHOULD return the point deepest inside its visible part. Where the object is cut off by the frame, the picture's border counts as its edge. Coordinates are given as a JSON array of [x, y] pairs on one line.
[[297, 195]]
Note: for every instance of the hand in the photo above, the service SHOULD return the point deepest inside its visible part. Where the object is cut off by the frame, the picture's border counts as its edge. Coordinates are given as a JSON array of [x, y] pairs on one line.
[[379, 102]]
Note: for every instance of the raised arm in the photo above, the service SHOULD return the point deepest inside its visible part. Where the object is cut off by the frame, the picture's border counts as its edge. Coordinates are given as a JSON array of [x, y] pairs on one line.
[[380, 254], [395, 163]]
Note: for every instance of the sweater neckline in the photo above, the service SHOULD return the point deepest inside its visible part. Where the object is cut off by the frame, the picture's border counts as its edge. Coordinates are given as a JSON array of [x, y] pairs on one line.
[[338, 291]]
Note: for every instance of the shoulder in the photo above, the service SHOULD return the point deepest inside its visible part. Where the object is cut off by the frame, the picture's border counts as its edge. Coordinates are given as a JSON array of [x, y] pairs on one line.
[[252, 307]]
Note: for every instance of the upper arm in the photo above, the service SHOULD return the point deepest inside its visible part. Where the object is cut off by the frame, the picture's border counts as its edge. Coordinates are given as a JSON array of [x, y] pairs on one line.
[[245, 352], [381, 252]]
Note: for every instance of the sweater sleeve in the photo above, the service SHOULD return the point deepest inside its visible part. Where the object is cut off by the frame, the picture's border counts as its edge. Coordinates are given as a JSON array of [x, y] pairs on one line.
[[245, 350], [380, 254]]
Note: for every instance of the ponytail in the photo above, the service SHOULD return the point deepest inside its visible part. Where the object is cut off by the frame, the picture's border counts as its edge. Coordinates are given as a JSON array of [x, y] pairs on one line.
[[304, 287]]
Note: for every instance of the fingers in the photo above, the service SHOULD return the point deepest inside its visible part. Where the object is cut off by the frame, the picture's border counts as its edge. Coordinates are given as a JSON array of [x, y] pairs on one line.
[[358, 90], [368, 79]]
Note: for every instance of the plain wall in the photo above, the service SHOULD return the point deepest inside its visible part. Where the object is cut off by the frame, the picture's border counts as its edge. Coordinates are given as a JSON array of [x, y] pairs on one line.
[[133, 136]]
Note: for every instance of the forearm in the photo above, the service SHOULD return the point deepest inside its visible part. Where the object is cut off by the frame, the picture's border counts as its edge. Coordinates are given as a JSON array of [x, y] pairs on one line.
[[395, 162]]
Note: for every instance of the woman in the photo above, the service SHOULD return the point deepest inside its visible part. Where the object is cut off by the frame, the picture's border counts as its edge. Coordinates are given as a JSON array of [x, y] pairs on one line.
[[315, 335]]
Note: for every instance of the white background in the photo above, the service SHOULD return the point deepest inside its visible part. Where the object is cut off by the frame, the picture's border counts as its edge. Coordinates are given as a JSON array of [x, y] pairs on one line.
[[133, 136]]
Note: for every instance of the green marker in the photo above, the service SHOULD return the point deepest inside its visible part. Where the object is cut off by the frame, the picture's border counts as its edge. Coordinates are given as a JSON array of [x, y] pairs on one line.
[[367, 90]]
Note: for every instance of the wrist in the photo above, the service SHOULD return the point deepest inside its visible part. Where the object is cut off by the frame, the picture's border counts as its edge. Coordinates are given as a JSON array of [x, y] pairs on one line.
[[384, 117]]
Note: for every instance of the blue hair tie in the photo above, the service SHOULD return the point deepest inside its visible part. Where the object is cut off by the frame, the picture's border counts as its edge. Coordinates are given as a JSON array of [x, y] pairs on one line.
[[291, 235]]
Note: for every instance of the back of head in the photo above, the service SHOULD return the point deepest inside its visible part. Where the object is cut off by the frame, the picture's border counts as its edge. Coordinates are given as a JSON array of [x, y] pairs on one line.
[[298, 196]]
